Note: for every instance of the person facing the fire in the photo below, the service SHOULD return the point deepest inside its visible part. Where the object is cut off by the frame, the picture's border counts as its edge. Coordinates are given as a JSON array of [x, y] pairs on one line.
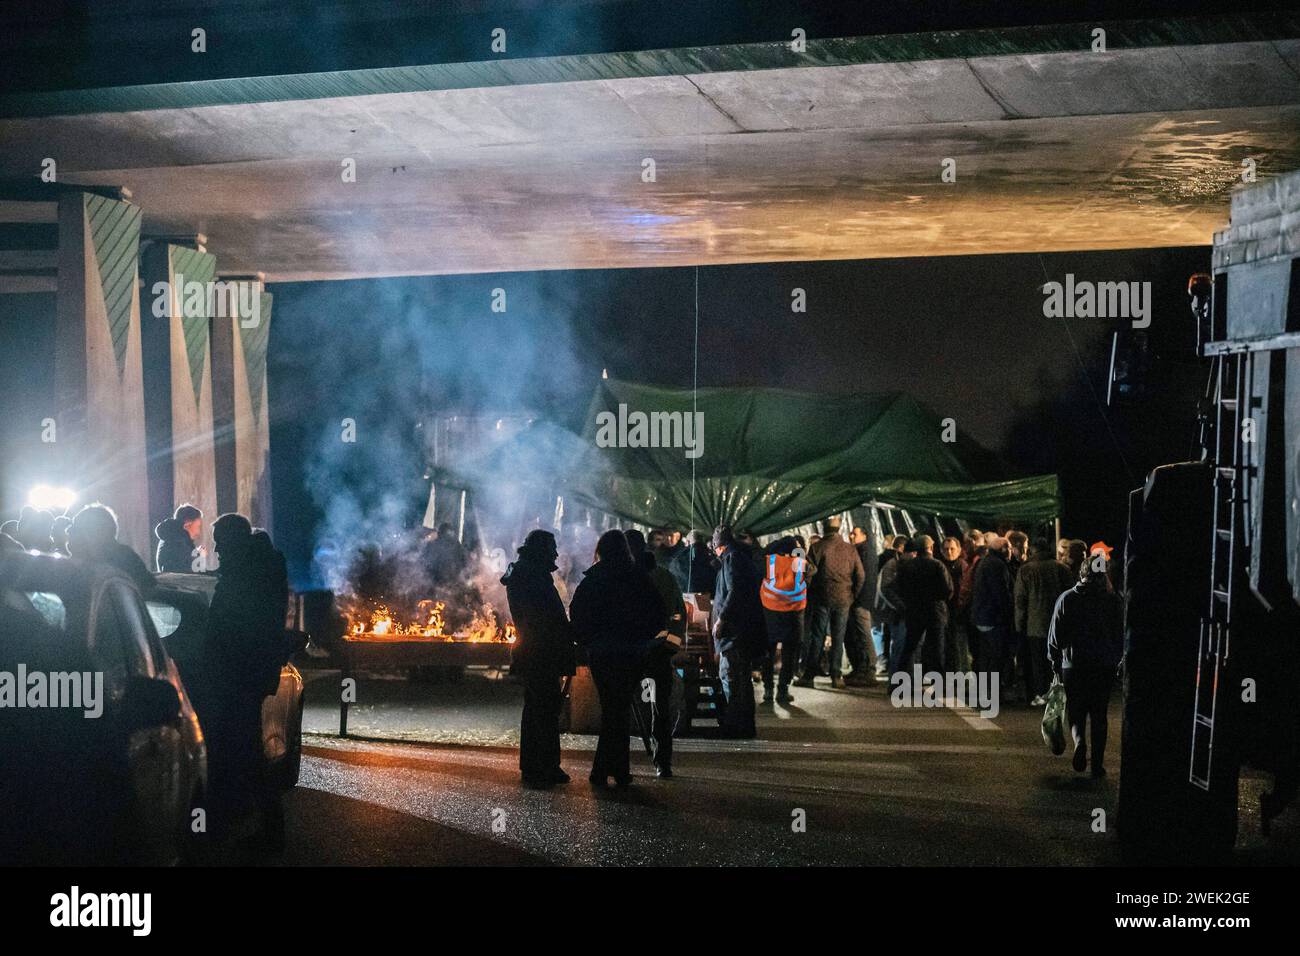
[[542, 655], [616, 614], [245, 637]]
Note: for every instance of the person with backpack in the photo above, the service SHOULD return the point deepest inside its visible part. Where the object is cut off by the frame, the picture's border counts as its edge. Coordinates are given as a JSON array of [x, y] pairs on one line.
[[784, 596], [739, 635]]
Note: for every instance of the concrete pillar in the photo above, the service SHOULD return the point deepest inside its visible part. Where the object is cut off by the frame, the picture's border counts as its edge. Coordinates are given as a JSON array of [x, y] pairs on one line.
[[98, 373], [240, 416], [178, 380]]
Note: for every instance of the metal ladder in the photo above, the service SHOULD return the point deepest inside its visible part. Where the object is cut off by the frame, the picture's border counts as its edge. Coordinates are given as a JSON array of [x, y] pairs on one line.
[[1226, 451]]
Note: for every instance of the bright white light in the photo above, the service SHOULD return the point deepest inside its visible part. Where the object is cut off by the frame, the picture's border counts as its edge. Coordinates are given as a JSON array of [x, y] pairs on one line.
[[49, 498]]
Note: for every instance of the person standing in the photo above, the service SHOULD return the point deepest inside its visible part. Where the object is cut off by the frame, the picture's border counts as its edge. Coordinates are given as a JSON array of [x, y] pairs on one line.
[[245, 635], [694, 567], [925, 587], [92, 536], [657, 666], [859, 634], [1086, 642], [956, 652], [834, 588], [178, 540], [542, 655], [784, 595], [616, 612], [1042, 579], [889, 602], [739, 635], [993, 610]]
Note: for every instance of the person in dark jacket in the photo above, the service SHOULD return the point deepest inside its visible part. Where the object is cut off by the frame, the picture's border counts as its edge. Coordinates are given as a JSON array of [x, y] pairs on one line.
[[859, 631], [616, 613], [956, 650], [831, 594], [657, 667], [245, 638], [925, 587], [889, 603], [542, 655], [695, 566], [178, 539], [739, 632], [1085, 642], [35, 529], [992, 610], [1042, 579], [92, 536]]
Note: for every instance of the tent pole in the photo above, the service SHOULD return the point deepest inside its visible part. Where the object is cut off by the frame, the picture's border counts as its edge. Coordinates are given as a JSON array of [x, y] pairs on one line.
[[1058, 528]]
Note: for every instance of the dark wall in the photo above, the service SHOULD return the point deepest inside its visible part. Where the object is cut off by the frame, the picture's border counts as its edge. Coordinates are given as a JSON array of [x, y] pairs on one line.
[[965, 335]]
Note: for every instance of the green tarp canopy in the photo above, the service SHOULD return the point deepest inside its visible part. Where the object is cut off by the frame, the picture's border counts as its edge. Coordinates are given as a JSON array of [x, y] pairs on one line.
[[769, 459]]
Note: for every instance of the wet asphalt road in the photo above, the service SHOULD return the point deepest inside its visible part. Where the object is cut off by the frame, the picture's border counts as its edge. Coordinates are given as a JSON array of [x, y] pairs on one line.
[[876, 785]]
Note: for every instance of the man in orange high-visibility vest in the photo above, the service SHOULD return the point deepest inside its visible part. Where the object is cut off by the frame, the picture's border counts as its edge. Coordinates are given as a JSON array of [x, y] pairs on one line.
[[784, 593]]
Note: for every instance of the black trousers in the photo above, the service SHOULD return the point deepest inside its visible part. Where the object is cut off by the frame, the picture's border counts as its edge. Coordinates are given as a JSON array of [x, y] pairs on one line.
[[785, 628], [616, 681], [657, 714], [1087, 697], [539, 726]]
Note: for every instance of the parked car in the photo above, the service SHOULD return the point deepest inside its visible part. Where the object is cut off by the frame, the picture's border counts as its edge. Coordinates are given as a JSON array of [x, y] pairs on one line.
[[179, 607], [76, 788]]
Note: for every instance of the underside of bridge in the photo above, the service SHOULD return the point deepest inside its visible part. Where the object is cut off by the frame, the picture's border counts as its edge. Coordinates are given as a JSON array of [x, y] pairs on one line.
[[723, 153]]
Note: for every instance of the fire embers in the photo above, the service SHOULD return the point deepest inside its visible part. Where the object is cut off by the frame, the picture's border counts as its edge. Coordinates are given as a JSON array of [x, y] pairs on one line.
[[379, 621], [385, 602]]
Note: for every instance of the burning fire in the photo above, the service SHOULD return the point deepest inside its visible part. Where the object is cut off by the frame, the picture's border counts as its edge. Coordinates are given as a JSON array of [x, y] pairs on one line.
[[428, 623]]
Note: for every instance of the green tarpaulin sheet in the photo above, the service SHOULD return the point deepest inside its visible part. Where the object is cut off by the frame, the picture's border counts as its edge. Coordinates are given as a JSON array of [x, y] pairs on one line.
[[761, 459]]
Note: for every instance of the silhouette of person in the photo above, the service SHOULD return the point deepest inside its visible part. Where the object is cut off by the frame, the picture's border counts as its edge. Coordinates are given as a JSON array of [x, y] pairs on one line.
[[616, 613], [542, 655], [246, 642]]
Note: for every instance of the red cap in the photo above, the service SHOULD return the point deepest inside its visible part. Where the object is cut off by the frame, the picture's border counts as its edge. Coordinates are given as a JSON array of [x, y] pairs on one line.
[[1101, 546]]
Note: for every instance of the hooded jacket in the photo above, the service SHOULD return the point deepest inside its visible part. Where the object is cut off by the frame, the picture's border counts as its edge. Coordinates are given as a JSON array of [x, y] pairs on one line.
[[1087, 629], [545, 641], [616, 611], [175, 550]]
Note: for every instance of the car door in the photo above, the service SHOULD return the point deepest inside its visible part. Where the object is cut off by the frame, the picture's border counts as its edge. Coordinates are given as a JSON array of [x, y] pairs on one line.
[[155, 754]]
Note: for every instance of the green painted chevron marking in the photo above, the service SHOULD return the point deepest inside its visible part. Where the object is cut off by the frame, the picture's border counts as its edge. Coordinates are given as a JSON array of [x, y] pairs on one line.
[[254, 340], [115, 234], [195, 266]]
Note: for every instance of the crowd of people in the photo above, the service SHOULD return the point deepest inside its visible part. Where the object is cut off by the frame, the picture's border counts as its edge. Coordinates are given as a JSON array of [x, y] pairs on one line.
[[794, 611], [785, 614], [239, 655]]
